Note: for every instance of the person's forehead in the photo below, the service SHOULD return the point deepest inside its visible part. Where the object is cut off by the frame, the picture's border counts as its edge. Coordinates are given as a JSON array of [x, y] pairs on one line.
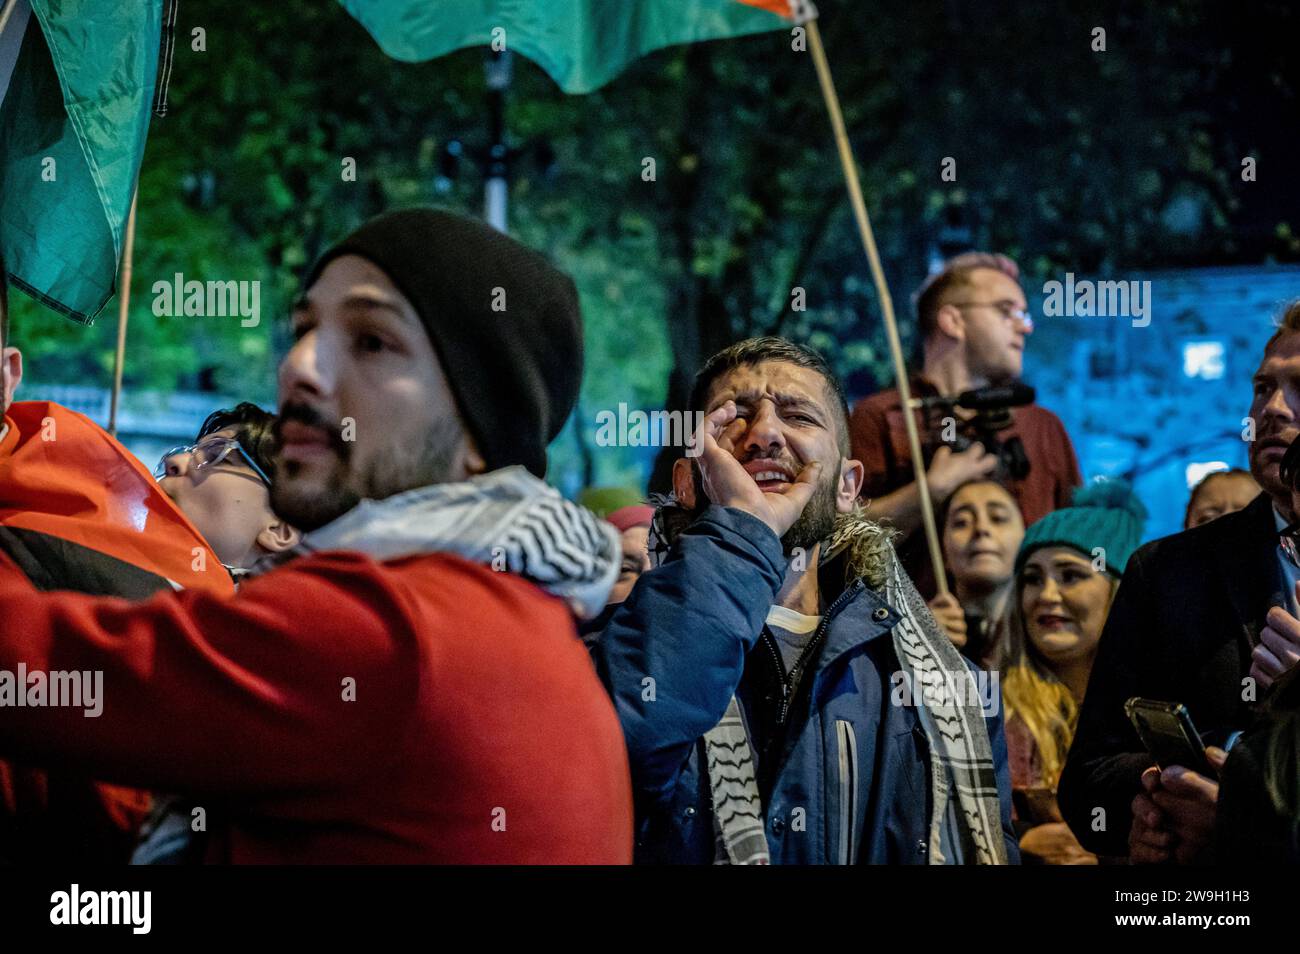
[[998, 286], [770, 379], [1283, 357], [351, 279], [634, 538], [1048, 556], [1232, 488], [982, 494], [225, 432]]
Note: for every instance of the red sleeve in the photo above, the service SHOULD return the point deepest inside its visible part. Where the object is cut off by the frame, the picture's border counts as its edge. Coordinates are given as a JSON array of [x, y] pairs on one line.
[[220, 694], [868, 438]]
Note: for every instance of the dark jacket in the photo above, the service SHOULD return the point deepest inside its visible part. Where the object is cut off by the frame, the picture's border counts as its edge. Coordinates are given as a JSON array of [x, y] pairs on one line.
[[1259, 788], [857, 766], [1185, 618]]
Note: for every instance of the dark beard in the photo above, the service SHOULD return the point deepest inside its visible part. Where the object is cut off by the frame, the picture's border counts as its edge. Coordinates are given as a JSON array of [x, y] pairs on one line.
[[814, 524], [404, 467], [817, 520]]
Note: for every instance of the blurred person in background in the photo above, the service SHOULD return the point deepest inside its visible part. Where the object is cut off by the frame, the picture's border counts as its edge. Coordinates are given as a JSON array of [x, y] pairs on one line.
[[981, 531], [1068, 569], [1223, 491], [633, 526], [222, 482]]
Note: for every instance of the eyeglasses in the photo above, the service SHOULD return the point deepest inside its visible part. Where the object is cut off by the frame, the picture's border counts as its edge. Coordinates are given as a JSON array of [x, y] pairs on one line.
[[209, 453], [1008, 310]]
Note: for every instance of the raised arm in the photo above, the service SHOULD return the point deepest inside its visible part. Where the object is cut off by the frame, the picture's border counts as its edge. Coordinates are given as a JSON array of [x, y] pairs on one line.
[[229, 695]]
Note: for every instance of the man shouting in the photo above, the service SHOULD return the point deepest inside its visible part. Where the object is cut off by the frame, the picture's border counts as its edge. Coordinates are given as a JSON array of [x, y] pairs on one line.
[[781, 684]]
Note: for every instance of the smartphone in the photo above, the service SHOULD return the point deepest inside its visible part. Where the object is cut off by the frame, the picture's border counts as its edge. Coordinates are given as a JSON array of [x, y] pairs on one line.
[[1166, 730]]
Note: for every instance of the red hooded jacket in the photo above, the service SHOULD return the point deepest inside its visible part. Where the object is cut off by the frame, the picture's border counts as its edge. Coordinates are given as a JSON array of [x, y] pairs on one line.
[[425, 709], [78, 512]]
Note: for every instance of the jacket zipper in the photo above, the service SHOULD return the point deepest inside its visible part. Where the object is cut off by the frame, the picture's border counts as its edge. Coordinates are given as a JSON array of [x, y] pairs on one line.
[[807, 650], [848, 749]]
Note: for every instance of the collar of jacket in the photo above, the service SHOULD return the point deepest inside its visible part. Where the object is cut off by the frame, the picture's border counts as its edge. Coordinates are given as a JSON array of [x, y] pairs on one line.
[[1247, 554], [860, 619], [858, 612]]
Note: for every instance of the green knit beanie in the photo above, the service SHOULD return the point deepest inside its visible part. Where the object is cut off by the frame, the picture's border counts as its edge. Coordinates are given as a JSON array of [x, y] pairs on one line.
[[1104, 514]]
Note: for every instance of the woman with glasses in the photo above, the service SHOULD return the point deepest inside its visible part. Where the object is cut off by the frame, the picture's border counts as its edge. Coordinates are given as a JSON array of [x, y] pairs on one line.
[[221, 483]]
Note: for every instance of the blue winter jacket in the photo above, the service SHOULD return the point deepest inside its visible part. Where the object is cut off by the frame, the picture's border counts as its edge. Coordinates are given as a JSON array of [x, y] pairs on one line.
[[851, 778]]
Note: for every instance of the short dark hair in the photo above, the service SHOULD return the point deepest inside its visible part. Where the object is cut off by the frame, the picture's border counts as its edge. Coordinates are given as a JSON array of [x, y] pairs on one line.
[[955, 273], [754, 351], [253, 427]]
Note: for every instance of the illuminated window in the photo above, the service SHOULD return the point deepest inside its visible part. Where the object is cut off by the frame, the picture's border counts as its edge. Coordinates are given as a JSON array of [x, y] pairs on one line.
[[1195, 473], [1203, 359]]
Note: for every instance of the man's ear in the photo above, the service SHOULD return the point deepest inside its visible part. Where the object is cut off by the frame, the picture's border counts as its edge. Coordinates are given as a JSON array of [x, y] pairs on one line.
[[472, 462], [849, 486], [684, 483], [278, 536], [13, 373], [950, 321]]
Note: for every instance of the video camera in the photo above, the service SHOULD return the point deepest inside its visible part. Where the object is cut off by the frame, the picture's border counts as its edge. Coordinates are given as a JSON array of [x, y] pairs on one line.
[[992, 407]]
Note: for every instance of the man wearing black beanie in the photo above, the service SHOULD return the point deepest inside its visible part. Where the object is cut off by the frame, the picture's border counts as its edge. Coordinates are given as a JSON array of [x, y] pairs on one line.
[[407, 685]]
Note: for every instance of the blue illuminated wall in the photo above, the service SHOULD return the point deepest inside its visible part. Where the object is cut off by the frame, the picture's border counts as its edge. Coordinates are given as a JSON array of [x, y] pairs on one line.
[[1145, 402]]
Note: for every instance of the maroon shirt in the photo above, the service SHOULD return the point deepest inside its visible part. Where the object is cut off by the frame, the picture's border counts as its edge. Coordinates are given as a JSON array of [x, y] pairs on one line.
[[879, 437]]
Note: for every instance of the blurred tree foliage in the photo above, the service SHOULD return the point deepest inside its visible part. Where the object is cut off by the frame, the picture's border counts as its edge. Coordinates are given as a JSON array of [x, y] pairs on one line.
[[1065, 157]]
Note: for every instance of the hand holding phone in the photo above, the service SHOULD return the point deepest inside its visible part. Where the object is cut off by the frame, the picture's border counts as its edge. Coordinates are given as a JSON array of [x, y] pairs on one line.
[[1166, 730]]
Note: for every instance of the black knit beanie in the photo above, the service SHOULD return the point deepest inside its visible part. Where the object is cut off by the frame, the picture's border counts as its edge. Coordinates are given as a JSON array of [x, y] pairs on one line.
[[504, 322]]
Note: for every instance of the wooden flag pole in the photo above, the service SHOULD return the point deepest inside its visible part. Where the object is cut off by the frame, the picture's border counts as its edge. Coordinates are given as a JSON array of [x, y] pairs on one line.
[[123, 309], [882, 291]]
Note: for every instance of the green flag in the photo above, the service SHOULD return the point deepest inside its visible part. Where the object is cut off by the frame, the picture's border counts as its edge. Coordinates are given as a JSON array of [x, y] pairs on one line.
[[73, 124], [582, 44]]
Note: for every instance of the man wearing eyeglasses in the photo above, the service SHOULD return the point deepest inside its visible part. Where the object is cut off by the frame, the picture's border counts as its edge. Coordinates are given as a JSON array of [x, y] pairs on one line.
[[222, 483], [973, 327]]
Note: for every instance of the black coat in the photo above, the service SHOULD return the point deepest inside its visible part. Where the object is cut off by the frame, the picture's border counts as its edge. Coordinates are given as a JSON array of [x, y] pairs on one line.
[[1185, 618]]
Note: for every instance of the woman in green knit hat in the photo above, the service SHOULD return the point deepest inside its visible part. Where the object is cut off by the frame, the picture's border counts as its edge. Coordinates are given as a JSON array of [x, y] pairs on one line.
[[1067, 571]]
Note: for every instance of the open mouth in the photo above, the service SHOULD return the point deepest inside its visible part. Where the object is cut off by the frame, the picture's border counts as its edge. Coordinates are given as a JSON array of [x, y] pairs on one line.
[[1051, 622], [770, 476]]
